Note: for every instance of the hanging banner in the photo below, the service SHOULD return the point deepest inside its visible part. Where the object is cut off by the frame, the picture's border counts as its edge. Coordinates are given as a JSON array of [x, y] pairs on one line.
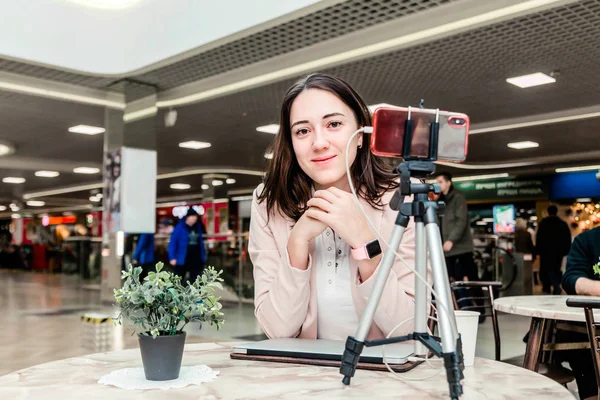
[[504, 189]]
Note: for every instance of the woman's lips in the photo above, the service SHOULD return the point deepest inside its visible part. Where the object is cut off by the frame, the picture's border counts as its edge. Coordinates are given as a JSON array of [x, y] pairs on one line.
[[323, 160]]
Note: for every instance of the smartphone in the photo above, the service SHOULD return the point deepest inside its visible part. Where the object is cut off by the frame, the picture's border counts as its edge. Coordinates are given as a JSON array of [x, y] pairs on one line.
[[389, 125]]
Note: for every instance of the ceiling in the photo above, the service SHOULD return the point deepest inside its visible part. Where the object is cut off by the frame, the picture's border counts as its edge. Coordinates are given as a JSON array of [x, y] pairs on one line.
[[463, 72]]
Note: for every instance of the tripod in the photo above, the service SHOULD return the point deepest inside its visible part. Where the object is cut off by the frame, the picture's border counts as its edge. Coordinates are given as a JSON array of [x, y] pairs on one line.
[[427, 233]]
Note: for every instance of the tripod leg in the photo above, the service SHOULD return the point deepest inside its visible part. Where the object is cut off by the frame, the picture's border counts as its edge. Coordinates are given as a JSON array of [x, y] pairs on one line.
[[354, 345], [421, 309], [451, 345]]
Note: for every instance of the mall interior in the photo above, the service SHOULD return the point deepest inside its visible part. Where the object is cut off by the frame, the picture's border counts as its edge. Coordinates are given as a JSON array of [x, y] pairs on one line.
[[121, 119]]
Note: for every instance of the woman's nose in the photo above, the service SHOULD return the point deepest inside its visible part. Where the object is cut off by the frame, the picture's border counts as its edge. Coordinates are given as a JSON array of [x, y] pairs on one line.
[[320, 141]]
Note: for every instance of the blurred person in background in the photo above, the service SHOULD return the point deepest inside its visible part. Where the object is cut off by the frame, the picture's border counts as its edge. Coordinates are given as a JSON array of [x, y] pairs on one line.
[[458, 241], [144, 253], [582, 277], [456, 233], [523, 238], [315, 257], [186, 247], [553, 241]]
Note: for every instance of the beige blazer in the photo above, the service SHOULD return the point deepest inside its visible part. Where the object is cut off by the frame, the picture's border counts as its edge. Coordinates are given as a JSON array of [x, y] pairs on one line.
[[285, 298]]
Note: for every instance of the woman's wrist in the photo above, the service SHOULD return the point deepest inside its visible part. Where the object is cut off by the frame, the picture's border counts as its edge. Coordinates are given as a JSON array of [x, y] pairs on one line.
[[298, 252]]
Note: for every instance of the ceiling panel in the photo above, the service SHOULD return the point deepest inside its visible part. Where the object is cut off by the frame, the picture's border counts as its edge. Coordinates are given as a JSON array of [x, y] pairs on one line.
[[38, 127], [54, 74], [328, 23], [325, 24]]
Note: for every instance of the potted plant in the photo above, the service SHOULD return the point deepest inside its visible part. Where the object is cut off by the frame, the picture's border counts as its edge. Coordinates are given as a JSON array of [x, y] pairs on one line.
[[160, 307]]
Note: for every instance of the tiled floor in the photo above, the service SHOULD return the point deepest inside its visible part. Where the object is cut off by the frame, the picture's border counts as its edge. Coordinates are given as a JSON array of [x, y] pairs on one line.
[[40, 322]]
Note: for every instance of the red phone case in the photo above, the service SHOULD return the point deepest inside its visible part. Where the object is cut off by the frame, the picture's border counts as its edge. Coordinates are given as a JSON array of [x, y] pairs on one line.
[[387, 139]]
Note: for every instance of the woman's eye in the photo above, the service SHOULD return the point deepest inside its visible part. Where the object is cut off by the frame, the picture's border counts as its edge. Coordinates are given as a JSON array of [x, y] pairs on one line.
[[302, 131], [334, 124]]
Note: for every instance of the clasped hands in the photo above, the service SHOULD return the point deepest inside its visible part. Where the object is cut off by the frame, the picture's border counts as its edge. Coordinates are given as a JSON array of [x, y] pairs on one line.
[[336, 209]]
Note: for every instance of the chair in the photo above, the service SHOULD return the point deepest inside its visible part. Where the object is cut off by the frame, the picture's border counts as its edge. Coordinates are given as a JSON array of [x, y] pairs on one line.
[[589, 305], [487, 303], [553, 371]]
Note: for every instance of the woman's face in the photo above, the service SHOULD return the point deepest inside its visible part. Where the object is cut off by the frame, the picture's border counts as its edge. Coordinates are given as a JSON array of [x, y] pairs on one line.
[[321, 125]]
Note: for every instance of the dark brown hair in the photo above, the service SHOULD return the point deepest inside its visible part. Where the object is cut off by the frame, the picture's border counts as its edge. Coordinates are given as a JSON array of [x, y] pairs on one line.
[[288, 188]]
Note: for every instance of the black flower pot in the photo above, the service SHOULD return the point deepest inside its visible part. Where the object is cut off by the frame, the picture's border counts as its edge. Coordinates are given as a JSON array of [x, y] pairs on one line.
[[162, 356]]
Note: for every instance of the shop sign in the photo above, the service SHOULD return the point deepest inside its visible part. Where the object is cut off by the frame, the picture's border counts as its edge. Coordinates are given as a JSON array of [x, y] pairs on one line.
[[504, 189]]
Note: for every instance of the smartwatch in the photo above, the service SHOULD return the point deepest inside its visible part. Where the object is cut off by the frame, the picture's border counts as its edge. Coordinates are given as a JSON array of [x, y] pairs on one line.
[[367, 252]]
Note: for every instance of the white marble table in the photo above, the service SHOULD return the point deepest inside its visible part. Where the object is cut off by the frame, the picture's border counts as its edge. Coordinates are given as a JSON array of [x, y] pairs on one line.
[[540, 309], [78, 377], [547, 307]]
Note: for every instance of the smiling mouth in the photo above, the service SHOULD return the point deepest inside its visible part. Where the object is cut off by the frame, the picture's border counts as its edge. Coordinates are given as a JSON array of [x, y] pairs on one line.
[[321, 160]]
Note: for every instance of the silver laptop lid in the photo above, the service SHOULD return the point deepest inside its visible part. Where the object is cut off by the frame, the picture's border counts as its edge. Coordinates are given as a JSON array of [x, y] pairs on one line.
[[396, 353]]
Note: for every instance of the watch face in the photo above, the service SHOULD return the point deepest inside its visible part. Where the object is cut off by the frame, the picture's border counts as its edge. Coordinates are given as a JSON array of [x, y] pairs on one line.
[[373, 248]]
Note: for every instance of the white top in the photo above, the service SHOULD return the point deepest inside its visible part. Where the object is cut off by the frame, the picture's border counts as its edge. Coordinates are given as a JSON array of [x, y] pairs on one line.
[[336, 315], [548, 307]]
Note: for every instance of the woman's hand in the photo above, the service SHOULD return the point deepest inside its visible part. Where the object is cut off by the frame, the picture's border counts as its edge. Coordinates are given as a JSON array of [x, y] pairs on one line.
[[338, 209], [305, 230]]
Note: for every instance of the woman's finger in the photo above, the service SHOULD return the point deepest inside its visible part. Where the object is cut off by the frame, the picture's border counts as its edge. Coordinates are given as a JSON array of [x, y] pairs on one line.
[[327, 195], [318, 214], [320, 203], [338, 192]]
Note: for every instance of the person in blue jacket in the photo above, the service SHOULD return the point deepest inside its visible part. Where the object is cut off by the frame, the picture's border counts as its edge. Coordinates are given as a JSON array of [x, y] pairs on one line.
[[186, 247], [144, 253]]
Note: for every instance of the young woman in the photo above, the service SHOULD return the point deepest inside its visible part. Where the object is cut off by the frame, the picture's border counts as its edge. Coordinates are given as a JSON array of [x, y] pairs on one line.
[[314, 254]]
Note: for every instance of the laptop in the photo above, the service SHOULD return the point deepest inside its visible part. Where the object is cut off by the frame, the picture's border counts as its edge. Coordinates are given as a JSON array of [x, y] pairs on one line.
[[320, 349]]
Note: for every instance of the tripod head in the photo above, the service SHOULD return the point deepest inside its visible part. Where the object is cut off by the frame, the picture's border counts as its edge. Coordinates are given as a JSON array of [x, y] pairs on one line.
[[417, 167]]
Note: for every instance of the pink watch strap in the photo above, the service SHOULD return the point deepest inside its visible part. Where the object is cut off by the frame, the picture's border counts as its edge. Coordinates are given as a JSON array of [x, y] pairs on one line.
[[360, 253]]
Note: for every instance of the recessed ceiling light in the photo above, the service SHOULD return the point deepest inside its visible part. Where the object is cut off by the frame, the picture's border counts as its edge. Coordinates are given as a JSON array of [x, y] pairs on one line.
[[87, 130], [12, 179], [193, 144], [47, 174], [230, 181], [2, 208], [527, 144], [6, 149], [272, 129], [86, 170], [99, 195], [530, 80], [205, 186], [269, 156], [15, 216], [36, 203], [95, 199], [575, 169], [180, 186], [217, 182]]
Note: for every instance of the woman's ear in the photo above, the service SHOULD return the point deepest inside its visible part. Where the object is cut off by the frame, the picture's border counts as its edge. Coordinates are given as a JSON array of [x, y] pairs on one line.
[[360, 140]]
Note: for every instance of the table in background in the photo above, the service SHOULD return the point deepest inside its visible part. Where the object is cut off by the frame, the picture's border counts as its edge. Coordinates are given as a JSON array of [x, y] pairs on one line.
[[543, 310], [78, 377]]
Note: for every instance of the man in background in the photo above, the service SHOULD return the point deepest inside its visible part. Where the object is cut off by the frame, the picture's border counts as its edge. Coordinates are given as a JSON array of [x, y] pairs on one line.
[[456, 233], [553, 241], [186, 247]]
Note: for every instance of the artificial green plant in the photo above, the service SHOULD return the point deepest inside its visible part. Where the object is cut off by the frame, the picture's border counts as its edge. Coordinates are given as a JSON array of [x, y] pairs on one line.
[[160, 305]]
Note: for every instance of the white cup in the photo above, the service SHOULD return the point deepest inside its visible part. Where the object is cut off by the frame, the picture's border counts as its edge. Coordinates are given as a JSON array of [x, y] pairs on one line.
[[467, 323]]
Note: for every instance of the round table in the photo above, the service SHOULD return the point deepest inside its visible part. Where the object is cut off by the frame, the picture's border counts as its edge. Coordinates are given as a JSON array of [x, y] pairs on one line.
[[78, 377], [541, 309]]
